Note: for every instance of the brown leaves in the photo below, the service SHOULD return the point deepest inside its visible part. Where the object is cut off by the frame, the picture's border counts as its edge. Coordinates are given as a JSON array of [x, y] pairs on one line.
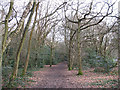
[[59, 77]]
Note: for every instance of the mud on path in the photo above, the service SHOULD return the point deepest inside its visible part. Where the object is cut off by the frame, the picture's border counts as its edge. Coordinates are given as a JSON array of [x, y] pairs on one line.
[[58, 76]]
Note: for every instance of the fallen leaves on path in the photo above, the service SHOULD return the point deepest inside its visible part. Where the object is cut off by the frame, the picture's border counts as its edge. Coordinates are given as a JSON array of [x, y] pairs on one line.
[[58, 76]]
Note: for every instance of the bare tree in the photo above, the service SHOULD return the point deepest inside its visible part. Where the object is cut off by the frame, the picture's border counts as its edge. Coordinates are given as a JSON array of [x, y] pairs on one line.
[[6, 31], [29, 43], [16, 64], [84, 21]]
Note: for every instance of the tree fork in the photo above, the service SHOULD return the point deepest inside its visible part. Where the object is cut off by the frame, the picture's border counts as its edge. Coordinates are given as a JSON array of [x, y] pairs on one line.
[[21, 43], [29, 43]]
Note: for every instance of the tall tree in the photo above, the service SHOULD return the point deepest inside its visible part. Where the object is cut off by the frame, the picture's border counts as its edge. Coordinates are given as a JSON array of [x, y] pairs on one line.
[[19, 25], [29, 42], [52, 47], [5, 35], [16, 64], [84, 20], [6, 30]]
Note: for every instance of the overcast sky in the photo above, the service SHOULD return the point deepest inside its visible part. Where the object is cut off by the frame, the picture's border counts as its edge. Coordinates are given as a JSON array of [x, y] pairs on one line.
[[18, 4]]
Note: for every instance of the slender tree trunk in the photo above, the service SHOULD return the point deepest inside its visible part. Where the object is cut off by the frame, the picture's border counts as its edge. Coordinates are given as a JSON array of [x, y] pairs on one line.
[[21, 43], [79, 51], [29, 43], [52, 48], [105, 46], [0, 63], [5, 36], [100, 47], [119, 44], [6, 55], [69, 53], [51, 55], [6, 31]]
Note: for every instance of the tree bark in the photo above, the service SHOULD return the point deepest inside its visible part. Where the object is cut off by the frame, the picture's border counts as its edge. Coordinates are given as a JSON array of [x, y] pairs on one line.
[[29, 42], [22, 42], [119, 45], [5, 35], [79, 51], [100, 45], [69, 53], [6, 30], [52, 48], [17, 30], [51, 55]]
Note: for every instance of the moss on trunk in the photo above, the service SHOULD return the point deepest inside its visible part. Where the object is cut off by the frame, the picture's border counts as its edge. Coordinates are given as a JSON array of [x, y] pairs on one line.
[[29, 43], [80, 72], [70, 68], [21, 44]]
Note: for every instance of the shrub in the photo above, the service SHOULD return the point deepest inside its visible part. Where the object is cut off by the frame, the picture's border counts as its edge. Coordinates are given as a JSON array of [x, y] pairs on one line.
[[98, 62]]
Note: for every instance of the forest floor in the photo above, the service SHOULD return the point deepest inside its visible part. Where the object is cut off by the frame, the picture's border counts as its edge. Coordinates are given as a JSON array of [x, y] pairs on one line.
[[58, 76]]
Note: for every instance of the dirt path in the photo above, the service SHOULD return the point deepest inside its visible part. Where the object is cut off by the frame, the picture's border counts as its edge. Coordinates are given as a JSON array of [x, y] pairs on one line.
[[55, 77], [59, 77]]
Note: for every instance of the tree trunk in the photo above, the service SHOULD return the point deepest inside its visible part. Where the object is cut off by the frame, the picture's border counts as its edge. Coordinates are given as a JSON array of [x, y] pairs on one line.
[[21, 43], [79, 51], [5, 37], [6, 30], [100, 45], [52, 47], [29, 43], [119, 44], [36, 58], [51, 55], [69, 53]]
